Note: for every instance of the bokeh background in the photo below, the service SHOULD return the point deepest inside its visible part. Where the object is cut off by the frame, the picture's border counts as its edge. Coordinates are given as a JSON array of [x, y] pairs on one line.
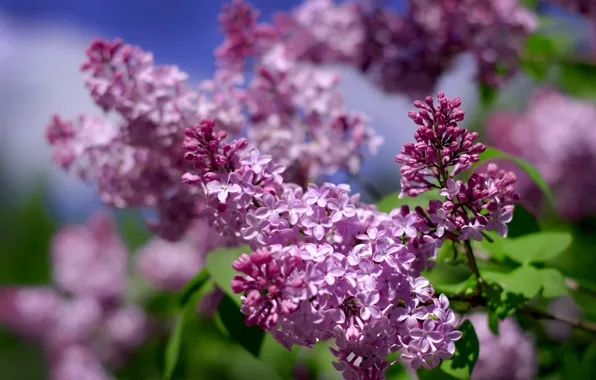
[[42, 43]]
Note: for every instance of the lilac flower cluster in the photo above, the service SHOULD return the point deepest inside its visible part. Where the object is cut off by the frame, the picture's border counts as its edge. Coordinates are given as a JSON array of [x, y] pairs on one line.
[[135, 163], [83, 322], [509, 356], [291, 110], [168, 265], [442, 151], [554, 142], [566, 307], [324, 266], [407, 52], [296, 111]]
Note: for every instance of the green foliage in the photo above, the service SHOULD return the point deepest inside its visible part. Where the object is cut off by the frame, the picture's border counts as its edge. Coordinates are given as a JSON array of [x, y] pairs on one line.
[[251, 338], [523, 223], [26, 231], [501, 304], [187, 311], [456, 288], [578, 79], [173, 347], [133, 229], [219, 265], [193, 286], [278, 357], [392, 201], [536, 247], [525, 280], [535, 58], [588, 364], [528, 168], [488, 95], [553, 283], [467, 350], [530, 4]]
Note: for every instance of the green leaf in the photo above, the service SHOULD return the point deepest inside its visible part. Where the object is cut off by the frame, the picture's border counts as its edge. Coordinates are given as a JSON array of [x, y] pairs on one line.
[[536, 57], [523, 223], [436, 373], [251, 338], [278, 357], [173, 347], [525, 280], [193, 286], [588, 365], [501, 304], [219, 265], [457, 288], [133, 229], [392, 201], [553, 283], [487, 95], [495, 248], [528, 168], [530, 4], [493, 322], [467, 350], [25, 230], [578, 79], [188, 311], [537, 247]]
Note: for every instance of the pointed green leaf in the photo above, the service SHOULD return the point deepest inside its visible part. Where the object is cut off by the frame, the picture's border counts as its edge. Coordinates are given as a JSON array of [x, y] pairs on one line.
[[553, 283], [219, 265], [525, 280], [392, 201], [173, 347], [278, 357], [251, 338], [578, 79], [466, 354], [537, 247], [193, 286], [589, 362], [172, 351]]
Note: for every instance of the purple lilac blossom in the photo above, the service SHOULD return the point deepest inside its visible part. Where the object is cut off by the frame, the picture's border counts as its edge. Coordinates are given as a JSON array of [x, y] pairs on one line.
[[300, 273], [509, 356], [82, 321], [407, 52], [168, 265], [554, 142], [565, 307], [288, 109], [353, 278]]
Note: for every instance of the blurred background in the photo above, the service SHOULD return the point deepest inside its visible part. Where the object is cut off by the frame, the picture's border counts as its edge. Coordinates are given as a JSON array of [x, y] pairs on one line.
[[42, 44]]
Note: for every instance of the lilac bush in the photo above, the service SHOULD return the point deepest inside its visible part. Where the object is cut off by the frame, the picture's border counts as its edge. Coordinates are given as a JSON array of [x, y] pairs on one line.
[[553, 141], [83, 321], [509, 355], [240, 163]]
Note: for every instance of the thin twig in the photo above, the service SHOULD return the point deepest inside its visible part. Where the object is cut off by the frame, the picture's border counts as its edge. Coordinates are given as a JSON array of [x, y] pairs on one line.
[[473, 266], [577, 287], [476, 300]]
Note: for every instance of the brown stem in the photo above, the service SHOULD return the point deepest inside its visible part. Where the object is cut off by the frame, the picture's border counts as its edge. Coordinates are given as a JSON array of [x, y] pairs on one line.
[[476, 300], [578, 323], [577, 287], [473, 266]]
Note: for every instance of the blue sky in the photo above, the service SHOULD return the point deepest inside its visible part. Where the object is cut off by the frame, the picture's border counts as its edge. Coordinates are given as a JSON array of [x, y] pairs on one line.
[[185, 32]]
